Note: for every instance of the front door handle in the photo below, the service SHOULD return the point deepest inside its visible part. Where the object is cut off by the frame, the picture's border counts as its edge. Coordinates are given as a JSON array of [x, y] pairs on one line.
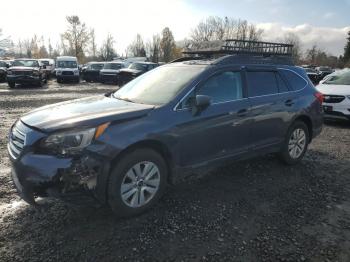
[[289, 102]]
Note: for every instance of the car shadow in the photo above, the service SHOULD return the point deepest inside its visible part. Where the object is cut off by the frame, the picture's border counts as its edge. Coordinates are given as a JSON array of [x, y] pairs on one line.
[[237, 203], [337, 123]]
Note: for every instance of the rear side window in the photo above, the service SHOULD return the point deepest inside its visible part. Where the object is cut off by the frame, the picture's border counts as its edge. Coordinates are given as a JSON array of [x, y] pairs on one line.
[[223, 87], [295, 81], [261, 83]]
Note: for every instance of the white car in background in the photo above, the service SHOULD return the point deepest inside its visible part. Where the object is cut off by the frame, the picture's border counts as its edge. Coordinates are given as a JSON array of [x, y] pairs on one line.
[[50, 66], [336, 91]]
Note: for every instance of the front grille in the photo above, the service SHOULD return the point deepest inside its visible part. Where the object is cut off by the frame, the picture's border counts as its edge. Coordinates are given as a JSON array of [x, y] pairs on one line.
[[17, 140], [22, 73], [333, 98], [67, 73]]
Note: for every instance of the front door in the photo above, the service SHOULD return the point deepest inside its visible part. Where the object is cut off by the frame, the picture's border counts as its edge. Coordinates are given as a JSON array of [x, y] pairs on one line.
[[219, 130]]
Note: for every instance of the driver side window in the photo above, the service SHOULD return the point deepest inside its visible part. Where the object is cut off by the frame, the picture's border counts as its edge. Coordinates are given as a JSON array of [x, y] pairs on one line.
[[223, 87]]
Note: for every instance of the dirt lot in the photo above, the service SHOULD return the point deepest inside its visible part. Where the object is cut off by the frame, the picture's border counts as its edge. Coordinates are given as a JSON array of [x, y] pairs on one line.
[[258, 210]]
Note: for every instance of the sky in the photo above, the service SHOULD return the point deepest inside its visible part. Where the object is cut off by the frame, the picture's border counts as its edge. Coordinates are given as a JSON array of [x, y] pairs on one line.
[[321, 22]]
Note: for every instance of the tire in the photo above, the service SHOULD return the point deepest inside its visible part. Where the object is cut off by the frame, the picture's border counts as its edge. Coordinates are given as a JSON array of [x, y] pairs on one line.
[[131, 204], [293, 151], [12, 84], [59, 80]]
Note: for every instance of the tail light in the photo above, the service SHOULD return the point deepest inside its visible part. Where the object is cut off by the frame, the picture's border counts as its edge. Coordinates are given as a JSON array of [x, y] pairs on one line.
[[319, 97]]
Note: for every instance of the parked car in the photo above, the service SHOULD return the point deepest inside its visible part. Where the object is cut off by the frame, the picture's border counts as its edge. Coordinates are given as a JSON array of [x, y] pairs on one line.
[[3, 70], [67, 69], [128, 61], [110, 71], [314, 76], [178, 119], [135, 70], [91, 72], [336, 90], [324, 71], [26, 71], [50, 66]]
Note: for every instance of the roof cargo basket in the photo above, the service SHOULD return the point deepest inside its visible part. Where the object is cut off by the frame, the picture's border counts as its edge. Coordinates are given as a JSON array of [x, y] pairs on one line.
[[243, 50], [233, 46]]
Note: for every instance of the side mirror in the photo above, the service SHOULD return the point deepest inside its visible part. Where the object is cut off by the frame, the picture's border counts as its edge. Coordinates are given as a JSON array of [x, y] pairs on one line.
[[44, 66], [200, 103], [7, 66]]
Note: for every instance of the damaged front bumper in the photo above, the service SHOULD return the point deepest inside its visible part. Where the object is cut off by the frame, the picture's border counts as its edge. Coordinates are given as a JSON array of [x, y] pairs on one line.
[[37, 174], [45, 175]]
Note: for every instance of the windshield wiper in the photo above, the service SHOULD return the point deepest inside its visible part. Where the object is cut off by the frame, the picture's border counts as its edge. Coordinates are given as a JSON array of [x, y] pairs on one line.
[[124, 98]]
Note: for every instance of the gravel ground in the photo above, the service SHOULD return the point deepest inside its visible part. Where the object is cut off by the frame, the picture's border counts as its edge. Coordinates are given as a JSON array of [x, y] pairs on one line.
[[257, 210]]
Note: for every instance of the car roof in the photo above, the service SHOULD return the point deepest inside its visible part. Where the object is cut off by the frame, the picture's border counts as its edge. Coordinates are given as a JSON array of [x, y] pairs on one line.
[[29, 59], [90, 63], [145, 63], [66, 58]]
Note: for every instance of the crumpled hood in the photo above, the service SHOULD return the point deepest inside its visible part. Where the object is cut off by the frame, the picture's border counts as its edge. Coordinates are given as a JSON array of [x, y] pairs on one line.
[[85, 112], [343, 90]]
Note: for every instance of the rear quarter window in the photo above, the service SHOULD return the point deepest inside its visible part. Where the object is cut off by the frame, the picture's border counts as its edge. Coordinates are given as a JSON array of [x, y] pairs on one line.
[[261, 83], [295, 81]]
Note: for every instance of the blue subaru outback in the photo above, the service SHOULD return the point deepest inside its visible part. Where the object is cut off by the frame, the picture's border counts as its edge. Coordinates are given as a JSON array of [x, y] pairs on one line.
[[186, 117]]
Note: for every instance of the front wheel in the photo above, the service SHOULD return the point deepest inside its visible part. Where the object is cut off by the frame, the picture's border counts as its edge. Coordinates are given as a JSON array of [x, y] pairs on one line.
[[137, 182], [296, 143], [12, 84]]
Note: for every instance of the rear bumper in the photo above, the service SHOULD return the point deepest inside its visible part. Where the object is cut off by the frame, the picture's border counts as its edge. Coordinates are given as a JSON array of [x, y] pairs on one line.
[[109, 78], [68, 77]]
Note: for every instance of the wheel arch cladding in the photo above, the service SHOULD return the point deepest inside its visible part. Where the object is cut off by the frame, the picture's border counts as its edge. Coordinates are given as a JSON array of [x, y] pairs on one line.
[[308, 122], [155, 145]]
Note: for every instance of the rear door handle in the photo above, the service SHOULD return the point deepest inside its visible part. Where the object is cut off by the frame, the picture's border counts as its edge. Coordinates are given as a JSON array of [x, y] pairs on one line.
[[289, 102], [242, 112]]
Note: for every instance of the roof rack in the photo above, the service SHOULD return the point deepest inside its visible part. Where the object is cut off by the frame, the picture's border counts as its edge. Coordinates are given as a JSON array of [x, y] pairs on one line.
[[234, 46]]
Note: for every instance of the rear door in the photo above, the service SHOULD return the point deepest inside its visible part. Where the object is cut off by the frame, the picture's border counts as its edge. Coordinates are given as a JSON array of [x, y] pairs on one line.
[[268, 104]]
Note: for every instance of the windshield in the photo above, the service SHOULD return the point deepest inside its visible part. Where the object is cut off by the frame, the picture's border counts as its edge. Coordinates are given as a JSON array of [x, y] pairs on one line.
[[114, 66], [45, 62], [2, 64], [138, 66], [26, 63], [158, 86], [96, 66], [339, 79], [67, 64]]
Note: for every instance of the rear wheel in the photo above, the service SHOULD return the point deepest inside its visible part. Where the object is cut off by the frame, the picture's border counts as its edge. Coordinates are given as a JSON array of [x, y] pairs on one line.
[[137, 182], [12, 84], [296, 143]]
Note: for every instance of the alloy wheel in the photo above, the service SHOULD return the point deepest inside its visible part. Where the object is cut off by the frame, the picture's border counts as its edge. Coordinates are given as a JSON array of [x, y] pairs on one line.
[[140, 184], [297, 143]]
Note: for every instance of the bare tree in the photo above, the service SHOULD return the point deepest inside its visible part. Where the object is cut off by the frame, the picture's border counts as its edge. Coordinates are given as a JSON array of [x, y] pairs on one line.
[[218, 29], [107, 51], [293, 39], [5, 43], [50, 48], [93, 43], [153, 48], [167, 45], [77, 36], [137, 47]]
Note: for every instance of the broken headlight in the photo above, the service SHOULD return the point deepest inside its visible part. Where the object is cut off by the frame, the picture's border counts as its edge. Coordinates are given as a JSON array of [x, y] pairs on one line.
[[70, 141]]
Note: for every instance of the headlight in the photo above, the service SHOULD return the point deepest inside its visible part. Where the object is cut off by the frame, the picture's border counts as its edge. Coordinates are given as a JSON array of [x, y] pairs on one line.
[[73, 141], [9, 72], [35, 73], [58, 72], [76, 72]]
